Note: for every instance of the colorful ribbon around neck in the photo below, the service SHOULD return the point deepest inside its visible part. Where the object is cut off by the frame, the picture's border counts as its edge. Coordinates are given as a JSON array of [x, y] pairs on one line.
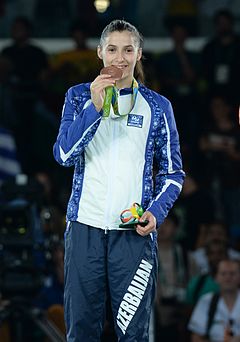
[[111, 98]]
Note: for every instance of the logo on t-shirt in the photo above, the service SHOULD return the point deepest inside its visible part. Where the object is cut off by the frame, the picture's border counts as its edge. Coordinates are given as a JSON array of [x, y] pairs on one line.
[[135, 120]]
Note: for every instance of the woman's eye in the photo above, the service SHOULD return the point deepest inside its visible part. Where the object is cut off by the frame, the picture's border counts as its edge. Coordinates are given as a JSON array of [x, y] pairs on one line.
[[111, 49], [129, 50]]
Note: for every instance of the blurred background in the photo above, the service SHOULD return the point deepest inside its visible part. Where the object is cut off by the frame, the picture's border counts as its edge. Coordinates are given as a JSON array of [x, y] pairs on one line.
[[191, 55]]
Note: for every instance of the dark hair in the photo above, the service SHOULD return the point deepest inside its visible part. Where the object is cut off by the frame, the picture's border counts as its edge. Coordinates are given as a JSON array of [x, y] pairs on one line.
[[122, 25]]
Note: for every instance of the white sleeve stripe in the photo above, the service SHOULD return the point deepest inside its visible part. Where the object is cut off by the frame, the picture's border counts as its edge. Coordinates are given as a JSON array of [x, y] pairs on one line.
[[173, 171], [64, 156], [88, 102], [166, 185], [170, 168], [64, 105]]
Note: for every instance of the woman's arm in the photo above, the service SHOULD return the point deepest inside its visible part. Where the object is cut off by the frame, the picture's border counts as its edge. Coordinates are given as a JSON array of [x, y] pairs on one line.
[[170, 176]]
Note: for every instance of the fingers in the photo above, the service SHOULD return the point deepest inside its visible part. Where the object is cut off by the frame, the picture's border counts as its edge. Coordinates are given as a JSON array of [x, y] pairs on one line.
[[150, 227], [101, 82], [98, 87]]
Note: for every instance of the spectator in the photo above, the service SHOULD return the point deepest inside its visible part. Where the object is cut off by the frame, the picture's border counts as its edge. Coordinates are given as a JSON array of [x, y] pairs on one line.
[[204, 283], [219, 145], [73, 66], [208, 8], [178, 74], [29, 64], [175, 269], [195, 207], [216, 230], [221, 56], [221, 323]]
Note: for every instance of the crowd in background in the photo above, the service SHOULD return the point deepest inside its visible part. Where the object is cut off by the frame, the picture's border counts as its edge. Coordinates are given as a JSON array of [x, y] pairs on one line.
[[203, 227], [48, 14]]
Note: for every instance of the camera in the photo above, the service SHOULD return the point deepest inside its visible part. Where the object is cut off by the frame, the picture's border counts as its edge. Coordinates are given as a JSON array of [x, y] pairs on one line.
[[22, 260], [21, 238]]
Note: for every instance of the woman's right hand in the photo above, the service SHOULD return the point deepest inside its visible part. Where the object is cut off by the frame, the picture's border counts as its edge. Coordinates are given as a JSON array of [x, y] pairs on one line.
[[98, 87]]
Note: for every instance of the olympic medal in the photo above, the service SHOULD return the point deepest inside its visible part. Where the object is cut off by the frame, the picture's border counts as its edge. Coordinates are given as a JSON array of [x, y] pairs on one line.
[[112, 70]]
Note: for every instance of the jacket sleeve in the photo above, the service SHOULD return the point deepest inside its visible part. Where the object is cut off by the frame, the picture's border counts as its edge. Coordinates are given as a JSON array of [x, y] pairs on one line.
[[78, 125], [170, 176]]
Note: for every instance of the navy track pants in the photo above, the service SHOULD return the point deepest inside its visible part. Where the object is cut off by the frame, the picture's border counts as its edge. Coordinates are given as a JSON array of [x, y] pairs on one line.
[[122, 261]]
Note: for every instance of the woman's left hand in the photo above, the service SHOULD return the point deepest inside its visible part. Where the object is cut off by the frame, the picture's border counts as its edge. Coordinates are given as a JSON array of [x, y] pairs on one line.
[[150, 227]]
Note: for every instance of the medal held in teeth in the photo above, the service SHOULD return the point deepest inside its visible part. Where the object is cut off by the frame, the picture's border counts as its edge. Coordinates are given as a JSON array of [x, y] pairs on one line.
[[111, 97]]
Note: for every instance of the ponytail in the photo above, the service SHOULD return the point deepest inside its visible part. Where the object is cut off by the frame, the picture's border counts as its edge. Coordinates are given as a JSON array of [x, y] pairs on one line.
[[139, 72]]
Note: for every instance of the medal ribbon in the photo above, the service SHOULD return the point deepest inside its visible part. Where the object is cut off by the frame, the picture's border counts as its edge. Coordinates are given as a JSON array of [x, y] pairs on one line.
[[111, 97]]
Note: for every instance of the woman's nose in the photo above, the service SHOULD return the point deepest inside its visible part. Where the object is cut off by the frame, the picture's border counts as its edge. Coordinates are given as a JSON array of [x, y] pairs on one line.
[[119, 56]]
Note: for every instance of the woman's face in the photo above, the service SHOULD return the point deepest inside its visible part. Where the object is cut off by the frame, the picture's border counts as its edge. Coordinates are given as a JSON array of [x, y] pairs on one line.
[[121, 50]]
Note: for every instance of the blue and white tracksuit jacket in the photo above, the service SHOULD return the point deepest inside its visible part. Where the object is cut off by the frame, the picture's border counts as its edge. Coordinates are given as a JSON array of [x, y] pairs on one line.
[[113, 159]]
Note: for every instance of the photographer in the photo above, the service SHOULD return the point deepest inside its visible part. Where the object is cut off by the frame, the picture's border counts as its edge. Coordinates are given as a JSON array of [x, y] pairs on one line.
[[216, 318]]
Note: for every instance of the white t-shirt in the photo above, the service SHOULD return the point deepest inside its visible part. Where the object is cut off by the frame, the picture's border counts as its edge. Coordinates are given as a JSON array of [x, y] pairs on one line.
[[200, 258], [106, 173], [199, 318]]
